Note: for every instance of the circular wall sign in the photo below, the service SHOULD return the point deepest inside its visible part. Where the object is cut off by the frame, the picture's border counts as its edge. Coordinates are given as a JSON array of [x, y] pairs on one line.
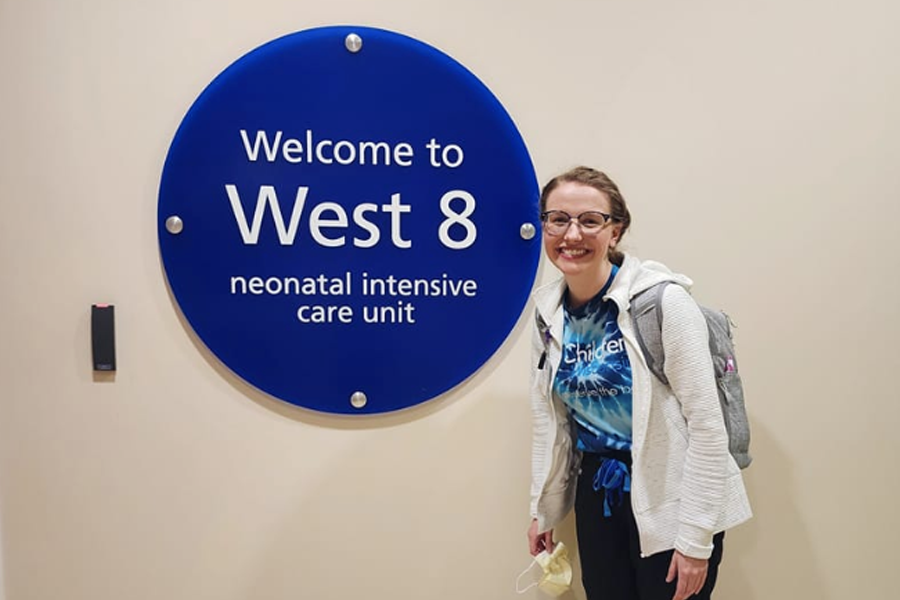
[[346, 219]]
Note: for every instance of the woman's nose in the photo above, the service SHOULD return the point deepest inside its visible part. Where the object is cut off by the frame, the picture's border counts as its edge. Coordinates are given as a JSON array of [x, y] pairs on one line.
[[573, 231]]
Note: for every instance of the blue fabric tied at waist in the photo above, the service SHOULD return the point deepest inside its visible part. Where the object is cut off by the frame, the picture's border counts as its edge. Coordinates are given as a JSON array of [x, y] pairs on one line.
[[614, 478]]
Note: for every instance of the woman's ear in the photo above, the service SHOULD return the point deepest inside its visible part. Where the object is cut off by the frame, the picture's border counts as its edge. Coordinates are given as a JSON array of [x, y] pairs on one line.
[[616, 234]]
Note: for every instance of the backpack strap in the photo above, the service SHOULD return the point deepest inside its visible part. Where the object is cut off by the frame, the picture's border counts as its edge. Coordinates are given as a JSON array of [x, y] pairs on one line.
[[647, 315]]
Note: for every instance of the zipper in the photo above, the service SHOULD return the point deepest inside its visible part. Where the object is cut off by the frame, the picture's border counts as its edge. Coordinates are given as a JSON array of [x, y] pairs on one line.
[[635, 350]]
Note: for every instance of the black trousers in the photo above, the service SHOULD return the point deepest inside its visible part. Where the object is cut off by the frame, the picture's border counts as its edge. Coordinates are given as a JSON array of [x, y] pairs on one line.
[[611, 563]]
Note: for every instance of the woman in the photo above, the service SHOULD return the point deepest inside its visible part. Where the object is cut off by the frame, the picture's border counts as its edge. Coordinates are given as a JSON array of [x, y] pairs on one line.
[[645, 465]]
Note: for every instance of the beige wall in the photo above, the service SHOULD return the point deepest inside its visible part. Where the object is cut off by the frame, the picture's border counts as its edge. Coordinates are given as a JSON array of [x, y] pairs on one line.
[[758, 144]]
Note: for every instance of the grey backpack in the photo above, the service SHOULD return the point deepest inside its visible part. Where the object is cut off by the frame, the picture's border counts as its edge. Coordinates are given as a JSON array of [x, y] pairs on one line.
[[646, 311]]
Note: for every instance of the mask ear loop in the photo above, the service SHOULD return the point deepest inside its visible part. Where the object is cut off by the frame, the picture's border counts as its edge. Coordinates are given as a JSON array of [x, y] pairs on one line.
[[519, 578]]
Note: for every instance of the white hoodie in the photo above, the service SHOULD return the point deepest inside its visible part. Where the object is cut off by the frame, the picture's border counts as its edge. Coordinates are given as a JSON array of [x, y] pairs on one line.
[[685, 486]]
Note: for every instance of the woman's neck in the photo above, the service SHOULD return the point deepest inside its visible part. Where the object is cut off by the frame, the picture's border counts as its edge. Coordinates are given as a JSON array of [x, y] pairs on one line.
[[582, 289]]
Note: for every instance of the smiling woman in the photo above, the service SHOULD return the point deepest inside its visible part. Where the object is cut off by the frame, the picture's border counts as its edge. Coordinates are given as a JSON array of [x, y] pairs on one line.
[[599, 412], [583, 223]]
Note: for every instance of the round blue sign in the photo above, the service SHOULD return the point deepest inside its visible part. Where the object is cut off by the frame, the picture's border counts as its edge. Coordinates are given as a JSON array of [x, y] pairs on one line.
[[346, 219]]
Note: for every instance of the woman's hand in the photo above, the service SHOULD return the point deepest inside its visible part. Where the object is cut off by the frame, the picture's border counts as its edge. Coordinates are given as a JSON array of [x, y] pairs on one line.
[[537, 542], [690, 572]]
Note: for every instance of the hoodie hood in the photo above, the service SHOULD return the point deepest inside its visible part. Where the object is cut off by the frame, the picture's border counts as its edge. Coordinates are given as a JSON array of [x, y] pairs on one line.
[[638, 276], [634, 277]]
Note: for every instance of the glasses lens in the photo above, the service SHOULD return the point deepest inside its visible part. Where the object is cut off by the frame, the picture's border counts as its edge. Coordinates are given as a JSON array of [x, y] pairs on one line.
[[591, 222], [556, 222]]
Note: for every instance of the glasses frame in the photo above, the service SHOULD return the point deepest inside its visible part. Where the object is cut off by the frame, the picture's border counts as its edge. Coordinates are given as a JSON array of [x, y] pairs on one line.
[[607, 218]]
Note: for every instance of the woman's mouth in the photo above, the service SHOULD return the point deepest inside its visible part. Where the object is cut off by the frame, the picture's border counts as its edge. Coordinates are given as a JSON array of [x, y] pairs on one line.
[[572, 252]]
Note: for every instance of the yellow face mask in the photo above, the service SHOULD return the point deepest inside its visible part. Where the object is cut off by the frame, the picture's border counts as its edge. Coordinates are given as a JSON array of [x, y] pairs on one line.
[[557, 575]]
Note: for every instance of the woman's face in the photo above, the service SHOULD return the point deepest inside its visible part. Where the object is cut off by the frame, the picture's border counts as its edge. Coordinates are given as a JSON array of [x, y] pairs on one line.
[[582, 257]]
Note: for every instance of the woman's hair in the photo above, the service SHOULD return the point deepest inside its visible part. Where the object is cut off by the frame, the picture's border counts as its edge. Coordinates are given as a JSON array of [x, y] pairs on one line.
[[603, 184]]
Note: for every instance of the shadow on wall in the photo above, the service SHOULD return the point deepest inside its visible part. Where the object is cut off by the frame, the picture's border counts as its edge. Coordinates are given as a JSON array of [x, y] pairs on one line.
[[754, 565]]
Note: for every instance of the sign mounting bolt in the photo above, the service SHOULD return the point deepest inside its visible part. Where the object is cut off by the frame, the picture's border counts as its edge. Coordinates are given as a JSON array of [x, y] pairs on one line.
[[174, 225], [358, 399], [527, 231], [353, 43]]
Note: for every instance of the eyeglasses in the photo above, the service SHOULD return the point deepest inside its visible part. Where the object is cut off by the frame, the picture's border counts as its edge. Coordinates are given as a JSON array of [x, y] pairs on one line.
[[591, 222]]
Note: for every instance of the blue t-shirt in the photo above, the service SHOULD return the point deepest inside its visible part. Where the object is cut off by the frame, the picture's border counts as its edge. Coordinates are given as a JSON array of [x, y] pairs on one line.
[[594, 375]]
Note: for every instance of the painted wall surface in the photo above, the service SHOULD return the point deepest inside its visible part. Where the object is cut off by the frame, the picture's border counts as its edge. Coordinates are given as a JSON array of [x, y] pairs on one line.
[[757, 144]]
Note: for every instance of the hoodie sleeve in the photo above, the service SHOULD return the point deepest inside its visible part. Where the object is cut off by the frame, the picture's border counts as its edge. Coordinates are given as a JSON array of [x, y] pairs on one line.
[[689, 367], [542, 420]]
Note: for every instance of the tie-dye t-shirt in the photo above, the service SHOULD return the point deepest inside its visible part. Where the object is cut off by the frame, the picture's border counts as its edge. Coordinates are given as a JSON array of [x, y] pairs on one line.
[[594, 376]]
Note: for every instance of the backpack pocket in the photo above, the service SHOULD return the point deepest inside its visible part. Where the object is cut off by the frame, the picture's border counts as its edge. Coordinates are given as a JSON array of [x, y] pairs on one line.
[[731, 397]]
